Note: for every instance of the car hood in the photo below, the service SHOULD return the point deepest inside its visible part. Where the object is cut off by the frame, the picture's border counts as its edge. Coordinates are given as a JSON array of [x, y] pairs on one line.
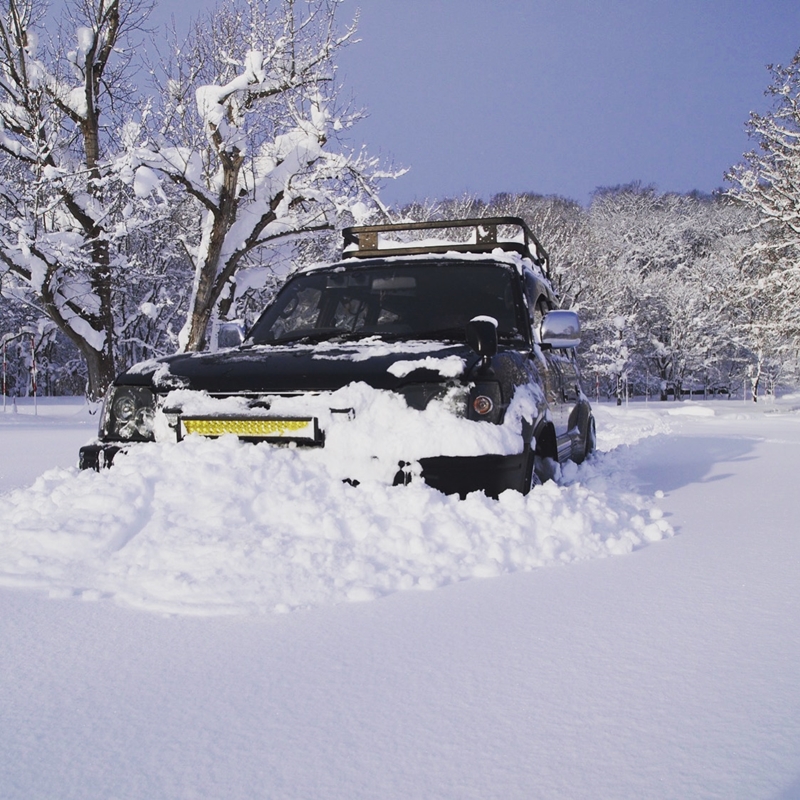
[[285, 369]]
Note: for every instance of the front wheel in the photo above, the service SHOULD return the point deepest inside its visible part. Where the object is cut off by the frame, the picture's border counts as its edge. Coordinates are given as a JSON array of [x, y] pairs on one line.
[[589, 440]]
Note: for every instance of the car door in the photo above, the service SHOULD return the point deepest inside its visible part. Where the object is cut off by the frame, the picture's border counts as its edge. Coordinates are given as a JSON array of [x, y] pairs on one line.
[[571, 396], [547, 361], [557, 393]]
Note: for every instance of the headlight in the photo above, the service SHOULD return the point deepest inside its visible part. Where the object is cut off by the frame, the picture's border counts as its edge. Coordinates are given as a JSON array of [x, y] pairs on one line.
[[124, 408], [129, 414], [486, 402], [483, 405]]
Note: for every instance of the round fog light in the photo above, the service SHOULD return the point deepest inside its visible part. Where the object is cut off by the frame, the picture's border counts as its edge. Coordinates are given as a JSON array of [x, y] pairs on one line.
[[482, 404]]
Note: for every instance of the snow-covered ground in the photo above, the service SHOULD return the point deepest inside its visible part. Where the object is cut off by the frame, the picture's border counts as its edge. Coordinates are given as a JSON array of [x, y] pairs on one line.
[[632, 632]]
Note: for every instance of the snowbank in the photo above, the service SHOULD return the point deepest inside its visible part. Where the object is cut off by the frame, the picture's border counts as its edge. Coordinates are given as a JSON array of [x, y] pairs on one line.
[[218, 527]]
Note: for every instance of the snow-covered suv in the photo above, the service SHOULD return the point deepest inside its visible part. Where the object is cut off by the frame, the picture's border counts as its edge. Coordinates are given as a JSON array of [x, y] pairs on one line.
[[408, 359]]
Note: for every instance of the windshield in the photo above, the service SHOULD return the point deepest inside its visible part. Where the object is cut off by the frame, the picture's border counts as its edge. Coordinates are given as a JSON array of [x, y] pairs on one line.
[[398, 301]]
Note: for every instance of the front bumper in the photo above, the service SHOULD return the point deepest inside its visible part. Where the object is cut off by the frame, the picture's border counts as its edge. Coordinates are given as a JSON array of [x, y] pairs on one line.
[[459, 475], [491, 474], [99, 455], [369, 433]]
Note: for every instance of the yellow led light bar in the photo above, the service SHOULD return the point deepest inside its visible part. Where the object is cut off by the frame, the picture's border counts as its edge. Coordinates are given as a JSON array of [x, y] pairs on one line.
[[252, 427]]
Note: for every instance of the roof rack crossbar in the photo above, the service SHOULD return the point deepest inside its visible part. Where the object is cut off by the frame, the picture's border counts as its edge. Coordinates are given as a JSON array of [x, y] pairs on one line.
[[363, 241]]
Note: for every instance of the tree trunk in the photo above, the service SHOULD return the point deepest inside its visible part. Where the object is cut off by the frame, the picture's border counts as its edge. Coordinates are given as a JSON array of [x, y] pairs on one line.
[[100, 365], [211, 277], [101, 372]]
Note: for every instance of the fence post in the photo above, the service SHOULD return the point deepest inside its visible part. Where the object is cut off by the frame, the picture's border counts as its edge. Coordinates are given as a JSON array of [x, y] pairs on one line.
[[33, 375]]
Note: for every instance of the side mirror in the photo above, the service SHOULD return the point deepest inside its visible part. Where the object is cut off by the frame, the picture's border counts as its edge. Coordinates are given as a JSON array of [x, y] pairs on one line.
[[481, 335], [230, 334], [560, 329]]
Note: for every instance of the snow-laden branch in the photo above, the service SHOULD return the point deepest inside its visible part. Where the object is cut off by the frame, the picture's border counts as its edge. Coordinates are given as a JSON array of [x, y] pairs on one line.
[[260, 155]]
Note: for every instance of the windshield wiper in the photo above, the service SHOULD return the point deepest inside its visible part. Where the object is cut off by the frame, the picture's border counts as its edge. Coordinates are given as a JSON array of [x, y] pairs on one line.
[[314, 336], [443, 333], [322, 335]]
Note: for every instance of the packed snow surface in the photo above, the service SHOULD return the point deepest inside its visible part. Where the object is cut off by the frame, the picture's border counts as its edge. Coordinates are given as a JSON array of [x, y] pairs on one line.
[[220, 526]]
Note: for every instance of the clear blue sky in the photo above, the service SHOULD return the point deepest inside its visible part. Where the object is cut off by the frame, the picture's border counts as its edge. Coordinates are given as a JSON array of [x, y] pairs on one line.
[[559, 96]]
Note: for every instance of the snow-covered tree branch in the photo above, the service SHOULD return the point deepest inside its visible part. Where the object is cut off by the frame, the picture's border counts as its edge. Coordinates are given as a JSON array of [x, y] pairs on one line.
[[120, 212], [769, 178], [247, 129], [62, 220], [768, 181]]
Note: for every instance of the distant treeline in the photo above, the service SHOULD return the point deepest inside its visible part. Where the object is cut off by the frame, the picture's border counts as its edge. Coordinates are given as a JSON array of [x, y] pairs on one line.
[[677, 292], [671, 289]]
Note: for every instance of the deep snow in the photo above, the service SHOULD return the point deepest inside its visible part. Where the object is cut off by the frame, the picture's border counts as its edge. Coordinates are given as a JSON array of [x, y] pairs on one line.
[[668, 672], [220, 526]]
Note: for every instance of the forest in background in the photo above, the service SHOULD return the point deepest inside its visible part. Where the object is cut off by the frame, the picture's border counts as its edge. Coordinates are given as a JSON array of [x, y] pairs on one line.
[[133, 221]]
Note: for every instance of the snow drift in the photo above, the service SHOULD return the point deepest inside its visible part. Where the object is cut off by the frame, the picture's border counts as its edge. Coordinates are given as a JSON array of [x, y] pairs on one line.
[[219, 527]]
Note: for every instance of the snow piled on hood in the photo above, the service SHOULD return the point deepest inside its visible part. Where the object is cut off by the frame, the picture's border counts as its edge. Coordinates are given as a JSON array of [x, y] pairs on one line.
[[211, 527], [448, 367]]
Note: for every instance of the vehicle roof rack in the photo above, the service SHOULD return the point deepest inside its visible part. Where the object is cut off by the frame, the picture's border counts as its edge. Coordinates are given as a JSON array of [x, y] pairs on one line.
[[363, 241]]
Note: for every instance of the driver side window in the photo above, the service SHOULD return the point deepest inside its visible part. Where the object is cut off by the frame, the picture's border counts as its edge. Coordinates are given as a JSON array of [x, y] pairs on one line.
[[300, 312], [538, 305]]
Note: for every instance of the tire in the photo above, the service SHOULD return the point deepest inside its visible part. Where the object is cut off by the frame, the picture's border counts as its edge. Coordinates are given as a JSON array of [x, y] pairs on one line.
[[589, 440]]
